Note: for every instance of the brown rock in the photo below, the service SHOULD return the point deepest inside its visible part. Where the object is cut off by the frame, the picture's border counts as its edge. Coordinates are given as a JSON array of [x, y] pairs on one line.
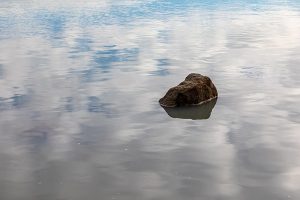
[[195, 89]]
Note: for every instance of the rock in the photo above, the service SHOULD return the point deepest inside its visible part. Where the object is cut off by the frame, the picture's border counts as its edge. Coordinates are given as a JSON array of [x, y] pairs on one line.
[[195, 89], [199, 112]]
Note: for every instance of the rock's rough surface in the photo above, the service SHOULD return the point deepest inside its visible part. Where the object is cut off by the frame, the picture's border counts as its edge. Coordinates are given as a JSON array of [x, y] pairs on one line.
[[195, 89]]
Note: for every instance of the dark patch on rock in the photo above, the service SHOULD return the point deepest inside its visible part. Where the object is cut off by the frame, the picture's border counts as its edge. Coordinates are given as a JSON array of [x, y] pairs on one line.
[[195, 89]]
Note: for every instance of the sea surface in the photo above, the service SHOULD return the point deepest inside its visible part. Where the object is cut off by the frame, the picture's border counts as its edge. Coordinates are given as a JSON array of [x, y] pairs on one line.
[[79, 88]]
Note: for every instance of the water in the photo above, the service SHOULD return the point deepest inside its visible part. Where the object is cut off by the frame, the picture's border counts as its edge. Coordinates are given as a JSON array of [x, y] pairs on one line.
[[79, 89]]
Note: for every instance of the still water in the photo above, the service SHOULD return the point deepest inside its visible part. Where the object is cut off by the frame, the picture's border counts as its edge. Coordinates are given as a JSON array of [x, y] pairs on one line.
[[79, 88]]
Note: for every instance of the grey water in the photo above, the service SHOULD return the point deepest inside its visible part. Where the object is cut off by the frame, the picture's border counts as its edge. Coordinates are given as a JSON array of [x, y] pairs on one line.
[[79, 88]]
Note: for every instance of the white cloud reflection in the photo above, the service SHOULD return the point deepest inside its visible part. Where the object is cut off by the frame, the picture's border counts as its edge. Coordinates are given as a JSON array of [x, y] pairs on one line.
[[79, 107]]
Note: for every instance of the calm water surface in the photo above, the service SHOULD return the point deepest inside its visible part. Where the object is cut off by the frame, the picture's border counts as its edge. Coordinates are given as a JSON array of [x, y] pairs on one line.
[[79, 89]]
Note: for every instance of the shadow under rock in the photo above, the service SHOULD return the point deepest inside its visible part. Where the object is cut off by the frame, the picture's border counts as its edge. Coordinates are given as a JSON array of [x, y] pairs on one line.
[[194, 112]]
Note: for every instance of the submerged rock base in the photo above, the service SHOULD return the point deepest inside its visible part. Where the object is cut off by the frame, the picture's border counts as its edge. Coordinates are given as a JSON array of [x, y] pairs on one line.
[[194, 90], [199, 112]]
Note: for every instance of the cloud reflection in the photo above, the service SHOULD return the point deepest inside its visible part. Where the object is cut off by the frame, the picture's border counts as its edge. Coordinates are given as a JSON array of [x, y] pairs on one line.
[[78, 100]]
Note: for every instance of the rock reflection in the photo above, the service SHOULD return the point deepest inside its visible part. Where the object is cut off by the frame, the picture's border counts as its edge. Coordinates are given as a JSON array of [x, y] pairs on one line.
[[202, 111]]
